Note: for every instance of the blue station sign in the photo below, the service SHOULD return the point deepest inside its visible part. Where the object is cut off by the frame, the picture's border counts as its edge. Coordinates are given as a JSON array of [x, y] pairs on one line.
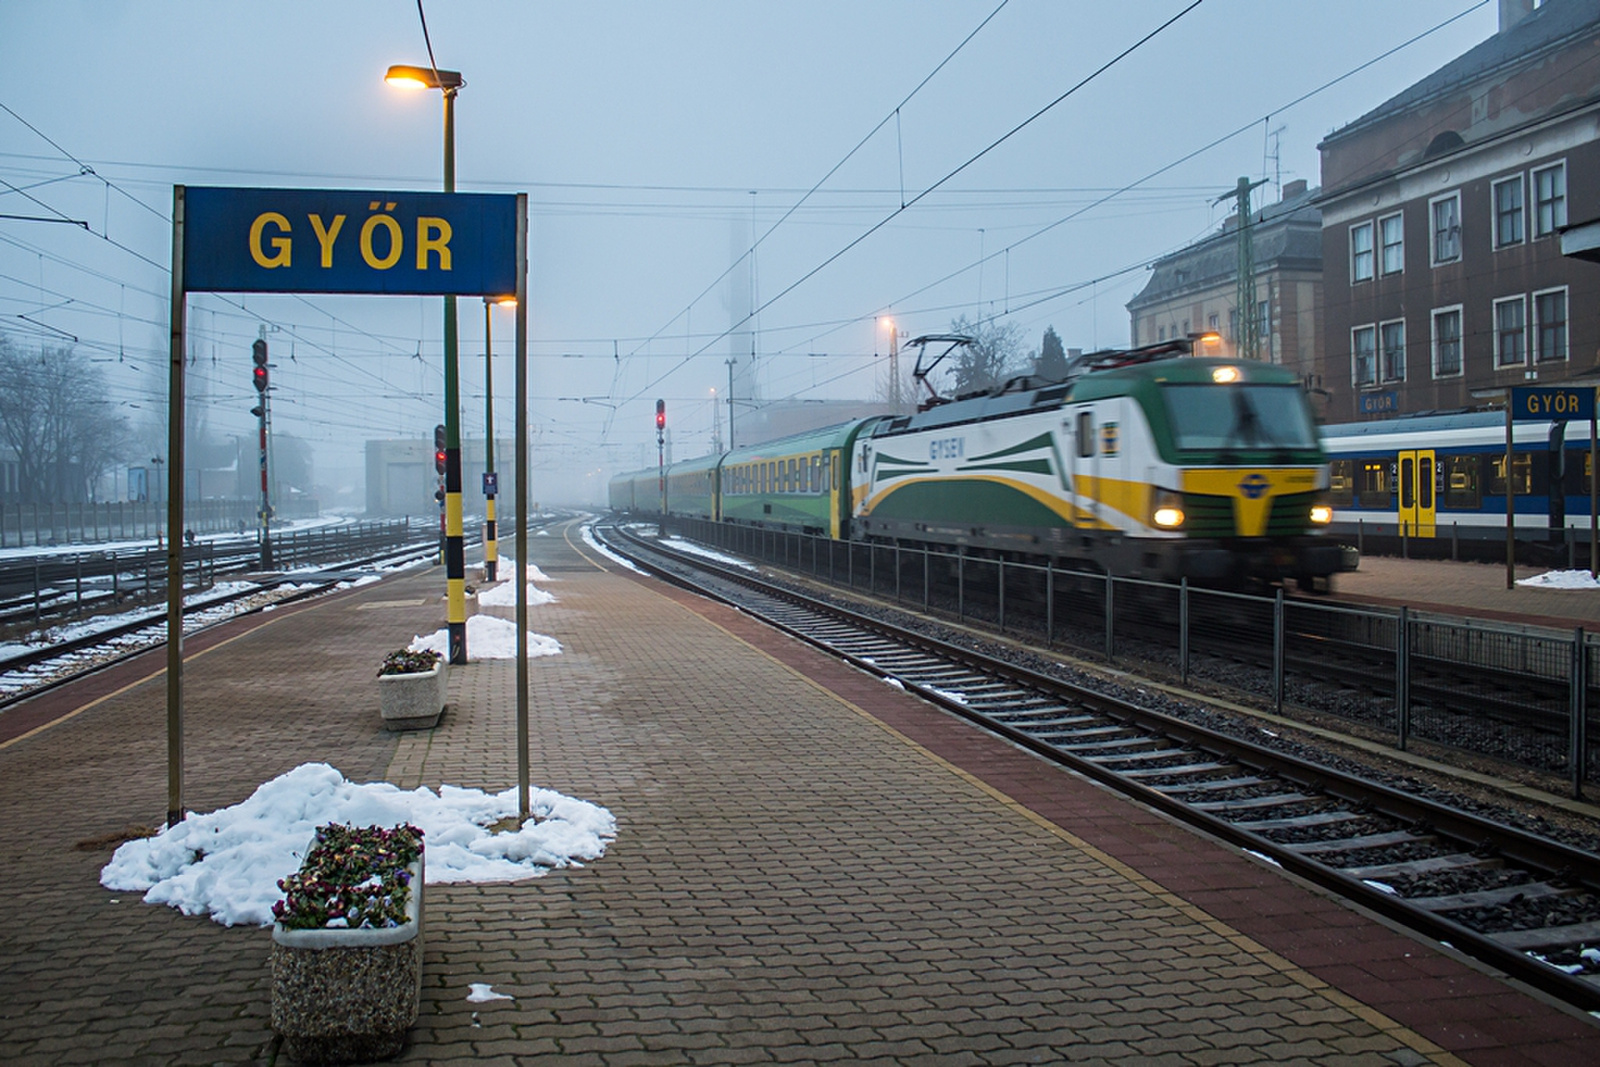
[[349, 241], [1551, 403]]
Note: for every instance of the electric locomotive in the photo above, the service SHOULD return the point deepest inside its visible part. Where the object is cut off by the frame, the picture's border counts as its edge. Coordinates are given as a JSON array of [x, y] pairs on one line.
[[1147, 462]]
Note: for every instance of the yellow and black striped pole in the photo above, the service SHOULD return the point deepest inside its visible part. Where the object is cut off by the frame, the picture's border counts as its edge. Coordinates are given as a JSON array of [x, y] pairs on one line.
[[455, 569]]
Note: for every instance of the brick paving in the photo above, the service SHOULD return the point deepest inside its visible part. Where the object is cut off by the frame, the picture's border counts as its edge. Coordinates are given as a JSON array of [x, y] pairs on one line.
[[810, 867]]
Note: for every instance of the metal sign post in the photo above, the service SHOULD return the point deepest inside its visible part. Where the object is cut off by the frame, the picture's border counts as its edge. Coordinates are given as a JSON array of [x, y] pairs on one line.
[[336, 241], [1547, 404]]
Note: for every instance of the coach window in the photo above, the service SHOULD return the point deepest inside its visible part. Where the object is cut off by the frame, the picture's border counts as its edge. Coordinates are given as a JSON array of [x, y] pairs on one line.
[[1085, 434], [1521, 474], [1342, 483], [1461, 488], [1375, 490]]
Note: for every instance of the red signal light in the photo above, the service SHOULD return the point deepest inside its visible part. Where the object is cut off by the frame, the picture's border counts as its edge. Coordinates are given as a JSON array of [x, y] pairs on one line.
[[258, 375], [661, 414]]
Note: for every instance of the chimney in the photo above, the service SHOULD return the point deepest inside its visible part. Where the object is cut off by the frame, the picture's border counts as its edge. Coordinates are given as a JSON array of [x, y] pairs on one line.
[[1514, 11], [1294, 189]]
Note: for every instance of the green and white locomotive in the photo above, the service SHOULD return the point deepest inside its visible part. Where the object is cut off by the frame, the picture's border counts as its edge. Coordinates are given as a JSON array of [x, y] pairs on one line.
[[1149, 462]]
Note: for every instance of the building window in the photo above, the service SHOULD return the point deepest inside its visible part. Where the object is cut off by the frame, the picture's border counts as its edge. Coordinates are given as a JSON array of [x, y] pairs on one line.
[[1392, 234], [1363, 355], [1447, 342], [1510, 331], [1161, 334], [1550, 325], [1361, 252], [1507, 198], [1211, 322], [1392, 339], [1264, 319], [1446, 213], [1549, 199], [1233, 324]]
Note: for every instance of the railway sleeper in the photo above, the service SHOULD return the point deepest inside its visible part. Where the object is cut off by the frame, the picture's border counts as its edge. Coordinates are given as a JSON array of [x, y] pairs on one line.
[[1211, 785], [1276, 800], [1040, 719], [1488, 898], [1108, 744], [1455, 861], [1131, 757], [1550, 936], [1181, 769], [1352, 844], [1300, 822]]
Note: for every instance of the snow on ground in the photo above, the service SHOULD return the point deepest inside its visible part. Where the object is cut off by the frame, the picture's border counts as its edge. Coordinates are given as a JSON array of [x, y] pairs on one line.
[[699, 550], [488, 638], [504, 595], [1561, 580], [589, 539], [227, 863]]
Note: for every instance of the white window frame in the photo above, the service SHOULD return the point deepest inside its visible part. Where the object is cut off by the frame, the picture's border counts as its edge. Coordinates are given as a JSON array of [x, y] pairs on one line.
[[1433, 228], [1536, 229], [1383, 247], [1522, 212], [1355, 363], [1383, 375], [1535, 326], [1371, 252], [1500, 362], [1433, 329]]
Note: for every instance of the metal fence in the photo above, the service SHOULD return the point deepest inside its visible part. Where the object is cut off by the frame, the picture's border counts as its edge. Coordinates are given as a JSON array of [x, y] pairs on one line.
[[1515, 693], [32, 525]]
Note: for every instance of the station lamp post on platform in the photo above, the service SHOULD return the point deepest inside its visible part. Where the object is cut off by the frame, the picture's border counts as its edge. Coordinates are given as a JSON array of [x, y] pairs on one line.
[[449, 82], [491, 481]]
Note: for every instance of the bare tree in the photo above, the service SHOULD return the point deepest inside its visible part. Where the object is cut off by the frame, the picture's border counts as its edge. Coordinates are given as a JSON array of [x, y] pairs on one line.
[[995, 355], [55, 415]]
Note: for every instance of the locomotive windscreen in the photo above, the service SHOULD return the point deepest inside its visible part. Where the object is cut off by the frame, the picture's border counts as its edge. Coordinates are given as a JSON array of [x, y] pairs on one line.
[[1209, 417]]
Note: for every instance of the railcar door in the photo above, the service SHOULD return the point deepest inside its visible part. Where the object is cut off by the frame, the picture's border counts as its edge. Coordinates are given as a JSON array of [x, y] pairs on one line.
[[1417, 505]]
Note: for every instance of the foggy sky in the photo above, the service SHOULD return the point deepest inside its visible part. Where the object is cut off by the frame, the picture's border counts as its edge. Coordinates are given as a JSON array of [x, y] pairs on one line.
[[654, 139]]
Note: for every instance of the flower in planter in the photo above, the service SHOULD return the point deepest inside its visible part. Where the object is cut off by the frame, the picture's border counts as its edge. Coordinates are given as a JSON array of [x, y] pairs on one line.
[[351, 878], [407, 661]]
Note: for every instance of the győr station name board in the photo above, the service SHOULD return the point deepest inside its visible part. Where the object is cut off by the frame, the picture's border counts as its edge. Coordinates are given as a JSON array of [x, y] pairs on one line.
[[349, 241], [1551, 403]]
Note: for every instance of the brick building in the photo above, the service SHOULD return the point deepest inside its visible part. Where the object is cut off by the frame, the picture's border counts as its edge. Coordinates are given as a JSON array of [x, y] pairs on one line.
[[1444, 282]]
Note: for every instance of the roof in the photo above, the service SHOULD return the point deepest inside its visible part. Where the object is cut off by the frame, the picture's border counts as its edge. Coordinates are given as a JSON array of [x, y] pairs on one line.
[[1549, 28], [1286, 234]]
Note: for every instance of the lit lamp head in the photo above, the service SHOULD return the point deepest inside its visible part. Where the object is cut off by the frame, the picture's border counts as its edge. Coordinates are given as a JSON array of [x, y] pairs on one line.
[[410, 77]]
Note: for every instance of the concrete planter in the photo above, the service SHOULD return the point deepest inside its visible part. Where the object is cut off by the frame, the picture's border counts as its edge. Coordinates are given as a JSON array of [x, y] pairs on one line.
[[348, 996], [413, 701]]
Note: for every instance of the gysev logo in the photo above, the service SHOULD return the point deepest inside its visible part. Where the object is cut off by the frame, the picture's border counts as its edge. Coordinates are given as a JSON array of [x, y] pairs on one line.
[[1254, 485]]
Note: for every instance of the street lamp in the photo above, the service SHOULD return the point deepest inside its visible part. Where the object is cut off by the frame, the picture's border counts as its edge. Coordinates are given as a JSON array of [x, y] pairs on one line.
[[448, 82], [491, 486]]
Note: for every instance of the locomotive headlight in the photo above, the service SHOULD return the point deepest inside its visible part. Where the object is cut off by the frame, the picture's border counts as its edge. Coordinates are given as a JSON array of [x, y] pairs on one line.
[[1167, 512], [1225, 375], [1321, 514]]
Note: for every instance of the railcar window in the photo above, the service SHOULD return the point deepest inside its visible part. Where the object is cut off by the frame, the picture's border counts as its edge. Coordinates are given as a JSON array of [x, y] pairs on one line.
[[1342, 482], [1375, 490], [1462, 488], [1206, 416], [1521, 474], [1085, 434]]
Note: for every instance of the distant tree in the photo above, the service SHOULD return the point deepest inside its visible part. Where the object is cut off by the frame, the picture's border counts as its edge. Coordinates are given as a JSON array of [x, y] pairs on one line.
[[1052, 361], [995, 355], [56, 417]]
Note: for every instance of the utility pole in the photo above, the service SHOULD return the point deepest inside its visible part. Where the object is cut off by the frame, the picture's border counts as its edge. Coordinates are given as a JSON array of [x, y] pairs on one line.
[[1248, 341], [730, 361], [716, 425]]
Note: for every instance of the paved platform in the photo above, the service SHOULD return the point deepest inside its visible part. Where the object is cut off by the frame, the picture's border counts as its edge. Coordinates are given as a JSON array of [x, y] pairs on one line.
[[811, 867], [1475, 589]]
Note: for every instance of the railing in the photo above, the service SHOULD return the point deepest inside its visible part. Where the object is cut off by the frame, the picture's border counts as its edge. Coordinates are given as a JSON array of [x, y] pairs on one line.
[[31, 525], [1515, 693]]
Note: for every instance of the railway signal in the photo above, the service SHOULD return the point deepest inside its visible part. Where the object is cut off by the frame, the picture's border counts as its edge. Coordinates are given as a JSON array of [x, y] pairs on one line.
[[438, 449], [258, 375]]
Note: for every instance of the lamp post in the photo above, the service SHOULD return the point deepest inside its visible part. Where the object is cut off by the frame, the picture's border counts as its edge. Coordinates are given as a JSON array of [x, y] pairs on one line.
[[491, 483], [448, 82]]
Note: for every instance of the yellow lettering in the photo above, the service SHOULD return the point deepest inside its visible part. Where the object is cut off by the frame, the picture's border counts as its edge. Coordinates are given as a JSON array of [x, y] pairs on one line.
[[396, 242], [433, 235], [281, 245], [326, 237]]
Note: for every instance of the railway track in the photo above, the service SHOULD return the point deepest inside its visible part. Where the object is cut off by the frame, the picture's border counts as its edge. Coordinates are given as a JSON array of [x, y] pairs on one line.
[[1523, 903], [33, 670]]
